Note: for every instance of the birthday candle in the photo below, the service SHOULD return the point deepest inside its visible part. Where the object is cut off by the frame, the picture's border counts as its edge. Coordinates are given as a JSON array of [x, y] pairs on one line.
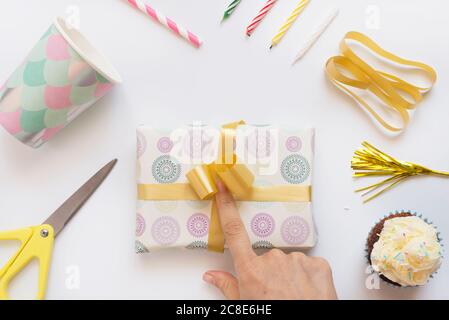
[[316, 35], [165, 21], [262, 13], [231, 8], [288, 23]]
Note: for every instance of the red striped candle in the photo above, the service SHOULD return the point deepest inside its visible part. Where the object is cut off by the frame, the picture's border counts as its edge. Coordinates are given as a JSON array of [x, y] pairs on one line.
[[257, 19]]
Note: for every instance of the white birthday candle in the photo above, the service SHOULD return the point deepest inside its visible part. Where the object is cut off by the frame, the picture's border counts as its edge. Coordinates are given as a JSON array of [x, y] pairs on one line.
[[316, 35]]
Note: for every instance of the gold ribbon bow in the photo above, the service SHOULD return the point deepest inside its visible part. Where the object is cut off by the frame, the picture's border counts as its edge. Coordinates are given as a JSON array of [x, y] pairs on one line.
[[388, 88], [237, 178]]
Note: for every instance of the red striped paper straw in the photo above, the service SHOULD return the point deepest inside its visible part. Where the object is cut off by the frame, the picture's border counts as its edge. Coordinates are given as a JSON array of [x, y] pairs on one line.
[[167, 22], [262, 13]]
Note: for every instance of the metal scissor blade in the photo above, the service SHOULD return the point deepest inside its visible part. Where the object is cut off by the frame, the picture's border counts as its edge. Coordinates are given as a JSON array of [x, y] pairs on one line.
[[67, 210]]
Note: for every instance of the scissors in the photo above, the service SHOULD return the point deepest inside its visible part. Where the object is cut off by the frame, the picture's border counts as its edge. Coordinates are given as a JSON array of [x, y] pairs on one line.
[[37, 242]]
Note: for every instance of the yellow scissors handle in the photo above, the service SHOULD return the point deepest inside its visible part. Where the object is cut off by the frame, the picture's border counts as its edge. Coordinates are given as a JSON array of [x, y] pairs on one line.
[[36, 243]]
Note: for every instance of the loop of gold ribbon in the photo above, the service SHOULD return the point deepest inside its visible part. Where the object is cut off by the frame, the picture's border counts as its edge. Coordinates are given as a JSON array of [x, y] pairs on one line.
[[237, 178], [384, 86]]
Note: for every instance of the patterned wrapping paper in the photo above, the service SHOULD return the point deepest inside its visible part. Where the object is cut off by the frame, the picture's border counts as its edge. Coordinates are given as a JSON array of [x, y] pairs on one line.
[[162, 224], [48, 90]]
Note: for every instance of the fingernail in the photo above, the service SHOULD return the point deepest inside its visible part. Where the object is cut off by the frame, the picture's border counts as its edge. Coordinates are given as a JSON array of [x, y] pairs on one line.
[[207, 277]]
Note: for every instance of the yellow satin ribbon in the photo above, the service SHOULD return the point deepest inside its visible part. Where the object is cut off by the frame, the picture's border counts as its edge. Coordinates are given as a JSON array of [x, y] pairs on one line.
[[385, 86], [237, 178]]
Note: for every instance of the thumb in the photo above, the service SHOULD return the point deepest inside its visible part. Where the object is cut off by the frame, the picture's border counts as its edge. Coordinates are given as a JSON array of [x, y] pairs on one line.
[[225, 282]]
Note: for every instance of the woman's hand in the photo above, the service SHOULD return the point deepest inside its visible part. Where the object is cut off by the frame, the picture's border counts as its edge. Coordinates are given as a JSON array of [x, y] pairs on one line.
[[274, 275]]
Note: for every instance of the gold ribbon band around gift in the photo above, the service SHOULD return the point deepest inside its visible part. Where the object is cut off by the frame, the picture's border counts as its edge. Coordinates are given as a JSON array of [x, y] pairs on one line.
[[236, 176], [350, 71]]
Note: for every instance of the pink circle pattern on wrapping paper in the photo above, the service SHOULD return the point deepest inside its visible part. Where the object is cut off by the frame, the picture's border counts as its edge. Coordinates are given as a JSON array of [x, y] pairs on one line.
[[295, 230], [140, 225], [165, 144], [165, 230], [198, 225], [259, 147], [262, 225], [141, 144], [293, 144]]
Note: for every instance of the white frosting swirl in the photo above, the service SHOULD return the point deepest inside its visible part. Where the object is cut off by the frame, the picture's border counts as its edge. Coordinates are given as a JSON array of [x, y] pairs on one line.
[[407, 252]]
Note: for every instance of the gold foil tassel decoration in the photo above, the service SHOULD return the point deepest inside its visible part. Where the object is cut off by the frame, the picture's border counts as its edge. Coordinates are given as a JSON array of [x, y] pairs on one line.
[[371, 162]]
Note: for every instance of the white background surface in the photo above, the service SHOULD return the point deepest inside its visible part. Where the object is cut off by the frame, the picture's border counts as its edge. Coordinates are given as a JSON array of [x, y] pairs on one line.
[[167, 83]]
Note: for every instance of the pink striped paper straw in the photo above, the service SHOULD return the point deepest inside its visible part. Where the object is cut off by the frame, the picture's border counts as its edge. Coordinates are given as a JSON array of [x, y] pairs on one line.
[[167, 22], [262, 13]]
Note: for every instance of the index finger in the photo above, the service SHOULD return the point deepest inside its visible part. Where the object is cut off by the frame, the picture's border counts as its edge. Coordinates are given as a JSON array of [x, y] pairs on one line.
[[233, 228]]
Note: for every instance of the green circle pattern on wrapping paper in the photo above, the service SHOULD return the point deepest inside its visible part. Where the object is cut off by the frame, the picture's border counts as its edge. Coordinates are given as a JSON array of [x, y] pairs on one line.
[[197, 245], [263, 244], [39, 72], [295, 161], [166, 169], [140, 247]]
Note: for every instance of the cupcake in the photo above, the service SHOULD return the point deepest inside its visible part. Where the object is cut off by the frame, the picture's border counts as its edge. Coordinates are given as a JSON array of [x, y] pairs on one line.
[[404, 249]]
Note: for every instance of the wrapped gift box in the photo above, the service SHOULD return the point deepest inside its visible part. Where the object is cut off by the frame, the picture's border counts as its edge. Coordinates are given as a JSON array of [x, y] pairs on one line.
[[276, 156]]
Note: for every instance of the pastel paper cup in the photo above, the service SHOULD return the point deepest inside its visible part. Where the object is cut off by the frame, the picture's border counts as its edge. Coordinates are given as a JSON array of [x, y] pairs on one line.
[[62, 76]]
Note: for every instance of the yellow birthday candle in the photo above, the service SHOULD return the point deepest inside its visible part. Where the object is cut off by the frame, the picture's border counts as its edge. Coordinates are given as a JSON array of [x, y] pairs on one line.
[[288, 23]]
